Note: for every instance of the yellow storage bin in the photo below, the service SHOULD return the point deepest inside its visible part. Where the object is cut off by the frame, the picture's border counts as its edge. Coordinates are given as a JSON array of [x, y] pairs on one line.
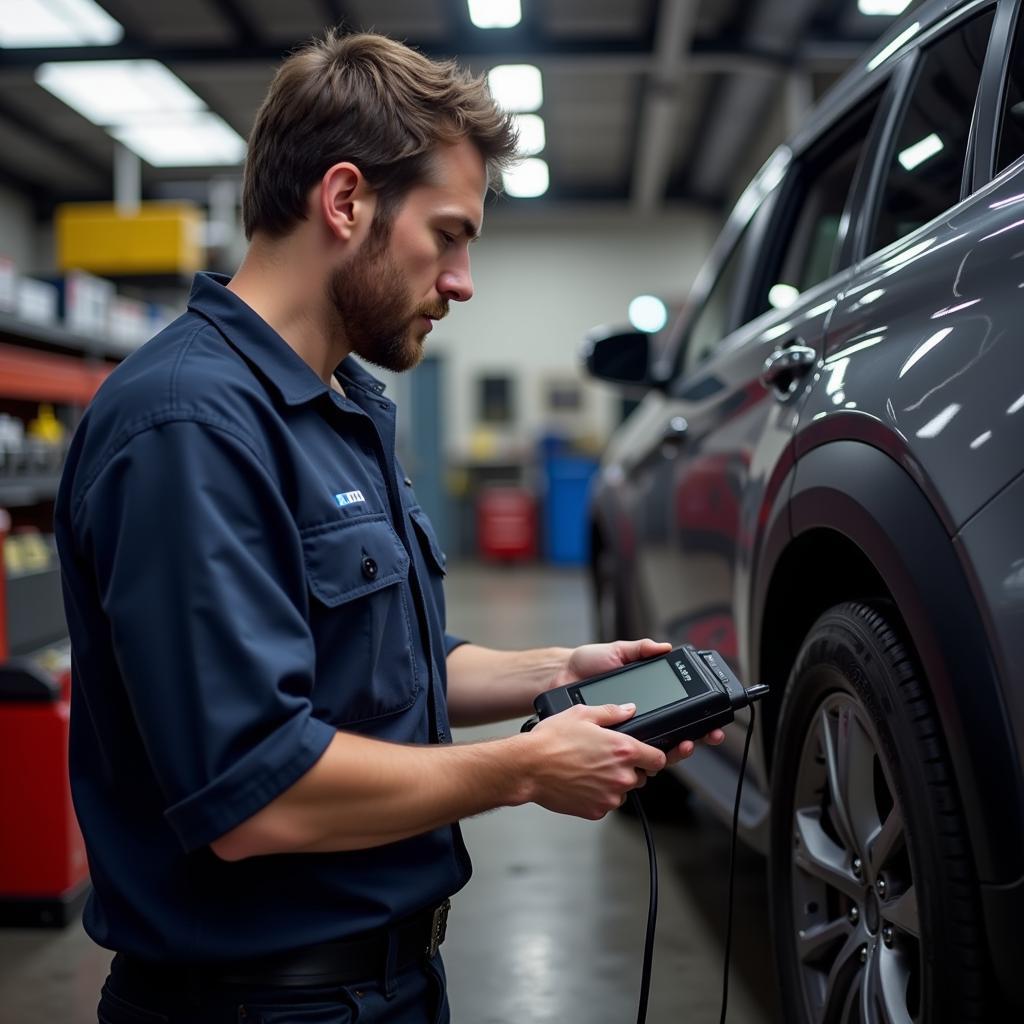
[[160, 238]]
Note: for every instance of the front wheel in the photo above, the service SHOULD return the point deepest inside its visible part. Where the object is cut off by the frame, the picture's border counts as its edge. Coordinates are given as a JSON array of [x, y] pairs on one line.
[[873, 899]]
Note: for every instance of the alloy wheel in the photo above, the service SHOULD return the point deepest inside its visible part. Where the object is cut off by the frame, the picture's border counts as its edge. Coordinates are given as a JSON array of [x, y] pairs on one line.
[[855, 902]]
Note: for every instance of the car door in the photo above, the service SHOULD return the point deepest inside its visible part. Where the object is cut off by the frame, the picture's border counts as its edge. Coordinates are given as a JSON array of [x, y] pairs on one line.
[[735, 397]]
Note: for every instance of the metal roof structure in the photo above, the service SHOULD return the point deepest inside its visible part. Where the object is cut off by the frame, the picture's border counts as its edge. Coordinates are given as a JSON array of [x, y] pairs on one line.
[[645, 101]]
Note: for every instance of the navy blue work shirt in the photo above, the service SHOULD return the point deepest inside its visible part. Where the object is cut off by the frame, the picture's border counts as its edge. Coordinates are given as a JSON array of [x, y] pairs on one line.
[[246, 571]]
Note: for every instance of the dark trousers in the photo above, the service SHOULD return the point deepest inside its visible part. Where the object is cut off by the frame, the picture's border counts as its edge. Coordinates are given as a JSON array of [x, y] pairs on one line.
[[414, 996]]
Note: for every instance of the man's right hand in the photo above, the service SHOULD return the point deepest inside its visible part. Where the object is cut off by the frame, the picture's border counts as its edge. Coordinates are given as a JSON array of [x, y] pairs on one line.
[[581, 767]]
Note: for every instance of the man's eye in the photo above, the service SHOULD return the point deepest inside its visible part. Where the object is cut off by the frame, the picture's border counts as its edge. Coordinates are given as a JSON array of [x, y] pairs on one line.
[[448, 239]]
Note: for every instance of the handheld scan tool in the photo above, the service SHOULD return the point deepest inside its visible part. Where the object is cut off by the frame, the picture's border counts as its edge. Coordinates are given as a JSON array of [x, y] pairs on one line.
[[681, 695]]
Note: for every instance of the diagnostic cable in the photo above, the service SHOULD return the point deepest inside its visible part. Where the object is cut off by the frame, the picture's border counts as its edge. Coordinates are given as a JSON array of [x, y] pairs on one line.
[[682, 695]]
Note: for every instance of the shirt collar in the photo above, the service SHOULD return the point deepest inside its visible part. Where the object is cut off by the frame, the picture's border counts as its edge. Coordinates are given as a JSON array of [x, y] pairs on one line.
[[261, 345]]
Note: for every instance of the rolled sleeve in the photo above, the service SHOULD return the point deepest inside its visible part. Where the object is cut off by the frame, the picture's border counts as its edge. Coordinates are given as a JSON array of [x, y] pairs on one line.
[[200, 572], [250, 783], [451, 642]]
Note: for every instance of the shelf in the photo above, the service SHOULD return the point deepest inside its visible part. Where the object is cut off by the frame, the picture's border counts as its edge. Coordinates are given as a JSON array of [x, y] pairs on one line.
[[21, 492], [46, 377], [13, 329]]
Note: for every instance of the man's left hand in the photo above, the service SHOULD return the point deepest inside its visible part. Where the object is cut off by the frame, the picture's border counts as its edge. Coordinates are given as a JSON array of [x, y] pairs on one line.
[[595, 659]]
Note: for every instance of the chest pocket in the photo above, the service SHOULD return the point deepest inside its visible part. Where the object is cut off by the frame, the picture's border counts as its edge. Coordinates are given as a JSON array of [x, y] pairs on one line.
[[357, 571]]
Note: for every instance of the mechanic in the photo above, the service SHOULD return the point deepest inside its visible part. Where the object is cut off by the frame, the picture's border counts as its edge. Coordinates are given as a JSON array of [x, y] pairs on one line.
[[260, 755]]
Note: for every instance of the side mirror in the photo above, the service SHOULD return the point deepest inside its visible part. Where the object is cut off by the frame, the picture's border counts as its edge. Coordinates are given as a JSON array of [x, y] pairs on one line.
[[618, 356]]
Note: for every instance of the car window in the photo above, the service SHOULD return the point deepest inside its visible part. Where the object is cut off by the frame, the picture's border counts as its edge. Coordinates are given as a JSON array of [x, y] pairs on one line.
[[926, 173], [1011, 128], [808, 233], [711, 323]]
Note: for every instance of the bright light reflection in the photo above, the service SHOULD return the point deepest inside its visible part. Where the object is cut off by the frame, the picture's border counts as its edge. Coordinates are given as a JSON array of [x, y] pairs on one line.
[[905, 36], [937, 424], [778, 331], [915, 155], [517, 88], [117, 92], [648, 313], [850, 405], [32, 23], [825, 307], [981, 439], [526, 179], [782, 296], [884, 8], [1016, 407], [843, 353], [953, 309], [1009, 201], [922, 350], [202, 139], [530, 129], [838, 373], [1009, 227], [495, 13]]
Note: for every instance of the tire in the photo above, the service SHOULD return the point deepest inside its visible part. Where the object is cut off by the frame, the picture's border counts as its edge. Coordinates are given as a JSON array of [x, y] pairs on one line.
[[606, 612], [865, 822]]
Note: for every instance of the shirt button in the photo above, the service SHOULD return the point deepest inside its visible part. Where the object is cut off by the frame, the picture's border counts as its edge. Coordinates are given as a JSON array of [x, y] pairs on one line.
[[369, 568], [408, 481]]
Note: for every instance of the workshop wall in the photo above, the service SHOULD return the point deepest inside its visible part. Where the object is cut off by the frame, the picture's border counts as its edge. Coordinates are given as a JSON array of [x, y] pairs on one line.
[[542, 281]]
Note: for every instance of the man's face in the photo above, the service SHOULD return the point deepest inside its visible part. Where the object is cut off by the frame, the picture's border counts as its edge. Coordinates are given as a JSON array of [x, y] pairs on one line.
[[402, 279]]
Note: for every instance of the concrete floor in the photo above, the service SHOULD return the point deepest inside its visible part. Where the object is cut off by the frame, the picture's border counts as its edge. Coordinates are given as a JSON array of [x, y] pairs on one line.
[[551, 927]]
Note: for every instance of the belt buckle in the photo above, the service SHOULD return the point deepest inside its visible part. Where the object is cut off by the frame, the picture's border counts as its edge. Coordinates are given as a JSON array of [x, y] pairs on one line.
[[438, 927]]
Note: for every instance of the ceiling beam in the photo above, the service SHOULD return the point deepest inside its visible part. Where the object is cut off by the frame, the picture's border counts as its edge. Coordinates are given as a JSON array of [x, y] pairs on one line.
[[662, 103], [246, 32], [775, 26], [66, 150], [562, 56]]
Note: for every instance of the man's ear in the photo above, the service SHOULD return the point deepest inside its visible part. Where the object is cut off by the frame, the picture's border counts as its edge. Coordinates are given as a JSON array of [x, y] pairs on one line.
[[347, 203]]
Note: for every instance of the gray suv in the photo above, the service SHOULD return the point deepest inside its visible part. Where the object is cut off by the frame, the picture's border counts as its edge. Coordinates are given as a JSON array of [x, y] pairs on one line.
[[824, 481]]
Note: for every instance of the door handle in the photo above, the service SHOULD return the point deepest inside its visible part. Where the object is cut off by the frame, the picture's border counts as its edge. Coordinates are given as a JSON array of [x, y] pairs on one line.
[[784, 368]]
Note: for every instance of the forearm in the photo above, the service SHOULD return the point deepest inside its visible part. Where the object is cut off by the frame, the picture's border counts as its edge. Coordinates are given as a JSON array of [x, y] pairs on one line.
[[364, 793], [486, 685]]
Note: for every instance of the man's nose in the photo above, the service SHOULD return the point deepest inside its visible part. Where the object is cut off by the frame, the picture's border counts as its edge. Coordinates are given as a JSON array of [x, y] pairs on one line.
[[456, 284]]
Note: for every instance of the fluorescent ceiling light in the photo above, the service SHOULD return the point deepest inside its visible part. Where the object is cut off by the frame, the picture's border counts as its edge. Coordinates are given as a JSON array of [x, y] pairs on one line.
[[495, 13], [526, 179], [115, 92], [782, 296], [516, 87], [888, 8], [191, 140], [531, 134], [36, 23], [648, 313], [915, 155], [887, 51]]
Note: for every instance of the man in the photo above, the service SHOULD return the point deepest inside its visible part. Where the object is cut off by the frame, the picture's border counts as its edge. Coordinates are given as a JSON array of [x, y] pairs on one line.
[[260, 755]]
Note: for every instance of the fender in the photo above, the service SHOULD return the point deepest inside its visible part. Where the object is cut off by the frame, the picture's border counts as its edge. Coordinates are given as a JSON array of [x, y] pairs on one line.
[[858, 491]]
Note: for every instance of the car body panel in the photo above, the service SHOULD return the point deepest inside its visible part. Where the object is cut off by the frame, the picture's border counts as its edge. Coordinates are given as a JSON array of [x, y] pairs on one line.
[[905, 445]]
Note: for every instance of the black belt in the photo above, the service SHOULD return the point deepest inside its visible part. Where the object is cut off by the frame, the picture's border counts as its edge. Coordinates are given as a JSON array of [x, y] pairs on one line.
[[361, 958]]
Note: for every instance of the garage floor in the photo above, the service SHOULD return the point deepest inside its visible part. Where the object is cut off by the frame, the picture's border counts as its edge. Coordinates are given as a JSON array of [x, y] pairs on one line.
[[551, 927]]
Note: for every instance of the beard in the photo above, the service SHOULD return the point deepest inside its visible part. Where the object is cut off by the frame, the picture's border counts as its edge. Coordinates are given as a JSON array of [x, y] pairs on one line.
[[375, 308]]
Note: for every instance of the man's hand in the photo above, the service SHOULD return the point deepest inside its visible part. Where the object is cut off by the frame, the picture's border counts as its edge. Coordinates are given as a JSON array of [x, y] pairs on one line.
[[595, 659], [581, 767]]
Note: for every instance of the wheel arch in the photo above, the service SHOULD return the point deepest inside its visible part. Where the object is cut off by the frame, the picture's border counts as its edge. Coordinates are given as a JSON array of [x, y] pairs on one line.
[[859, 526]]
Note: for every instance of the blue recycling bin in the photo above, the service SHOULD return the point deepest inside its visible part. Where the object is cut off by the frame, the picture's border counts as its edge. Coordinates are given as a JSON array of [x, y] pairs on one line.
[[565, 513]]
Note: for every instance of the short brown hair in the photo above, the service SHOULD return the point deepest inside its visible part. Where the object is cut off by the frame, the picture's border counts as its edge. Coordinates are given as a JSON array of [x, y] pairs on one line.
[[369, 100]]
